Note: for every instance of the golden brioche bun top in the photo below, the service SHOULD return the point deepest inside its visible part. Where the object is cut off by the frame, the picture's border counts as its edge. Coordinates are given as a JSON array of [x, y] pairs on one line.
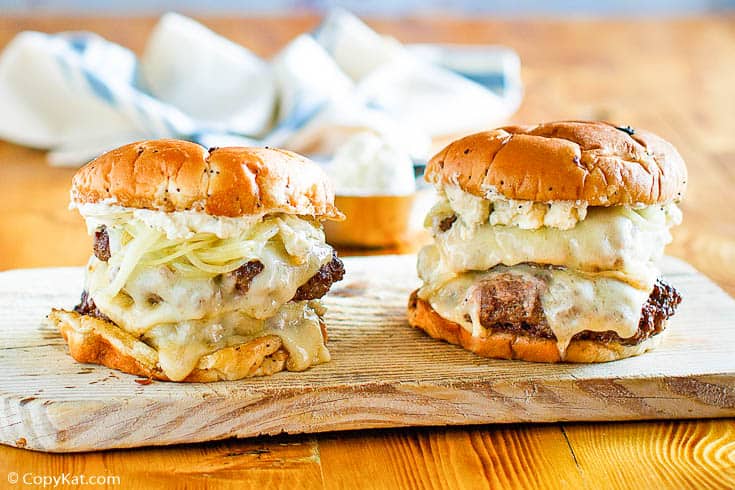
[[594, 162], [172, 175]]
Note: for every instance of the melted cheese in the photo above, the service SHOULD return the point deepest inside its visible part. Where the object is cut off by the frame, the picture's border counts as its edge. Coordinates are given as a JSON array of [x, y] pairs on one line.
[[618, 241], [185, 298], [572, 302], [607, 257], [181, 345], [188, 315]]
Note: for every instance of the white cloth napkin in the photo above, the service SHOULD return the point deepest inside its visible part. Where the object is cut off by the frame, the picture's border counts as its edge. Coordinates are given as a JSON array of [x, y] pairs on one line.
[[78, 95]]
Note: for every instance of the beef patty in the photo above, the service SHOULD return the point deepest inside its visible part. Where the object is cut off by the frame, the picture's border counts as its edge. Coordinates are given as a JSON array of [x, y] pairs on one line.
[[101, 244], [510, 303], [319, 284], [245, 274], [87, 307]]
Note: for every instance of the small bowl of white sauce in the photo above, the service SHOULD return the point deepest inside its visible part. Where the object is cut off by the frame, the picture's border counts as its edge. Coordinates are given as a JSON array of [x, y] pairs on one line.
[[376, 189]]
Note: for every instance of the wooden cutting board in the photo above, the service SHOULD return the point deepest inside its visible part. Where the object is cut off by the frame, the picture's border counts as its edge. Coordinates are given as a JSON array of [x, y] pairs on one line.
[[383, 373]]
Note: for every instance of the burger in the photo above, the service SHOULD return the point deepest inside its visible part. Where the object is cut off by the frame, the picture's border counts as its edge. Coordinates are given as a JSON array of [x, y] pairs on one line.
[[208, 264], [546, 239]]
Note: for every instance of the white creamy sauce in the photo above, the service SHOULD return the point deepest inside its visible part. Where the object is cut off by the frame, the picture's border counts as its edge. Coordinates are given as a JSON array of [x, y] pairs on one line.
[[497, 209], [176, 224], [529, 215], [471, 210], [187, 313], [367, 164]]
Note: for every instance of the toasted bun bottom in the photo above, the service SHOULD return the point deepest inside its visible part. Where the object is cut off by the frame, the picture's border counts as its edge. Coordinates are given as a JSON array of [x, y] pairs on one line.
[[96, 341], [504, 345]]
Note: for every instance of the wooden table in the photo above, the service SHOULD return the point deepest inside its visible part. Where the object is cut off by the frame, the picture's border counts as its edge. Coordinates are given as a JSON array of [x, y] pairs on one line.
[[674, 77]]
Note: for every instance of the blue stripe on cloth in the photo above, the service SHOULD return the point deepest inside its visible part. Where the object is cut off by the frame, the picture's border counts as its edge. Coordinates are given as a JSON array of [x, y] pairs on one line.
[[297, 119], [143, 119], [170, 127], [198, 137], [63, 66], [374, 104], [99, 87], [78, 43], [300, 115], [497, 82], [137, 80]]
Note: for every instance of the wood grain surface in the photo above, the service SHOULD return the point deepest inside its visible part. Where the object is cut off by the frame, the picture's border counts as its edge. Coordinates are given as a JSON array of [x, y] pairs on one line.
[[671, 76], [383, 373]]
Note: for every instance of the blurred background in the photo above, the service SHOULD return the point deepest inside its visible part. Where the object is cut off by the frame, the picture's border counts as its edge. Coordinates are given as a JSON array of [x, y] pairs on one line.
[[374, 7], [383, 85]]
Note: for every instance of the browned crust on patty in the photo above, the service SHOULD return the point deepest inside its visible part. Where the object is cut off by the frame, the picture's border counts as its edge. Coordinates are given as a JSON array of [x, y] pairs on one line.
[[97, 341], [172, 175], [595, 162], [505, 345]]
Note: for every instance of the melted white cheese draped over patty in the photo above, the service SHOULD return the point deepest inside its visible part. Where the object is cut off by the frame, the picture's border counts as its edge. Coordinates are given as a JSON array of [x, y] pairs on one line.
[[603, 258], [169, 282]]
